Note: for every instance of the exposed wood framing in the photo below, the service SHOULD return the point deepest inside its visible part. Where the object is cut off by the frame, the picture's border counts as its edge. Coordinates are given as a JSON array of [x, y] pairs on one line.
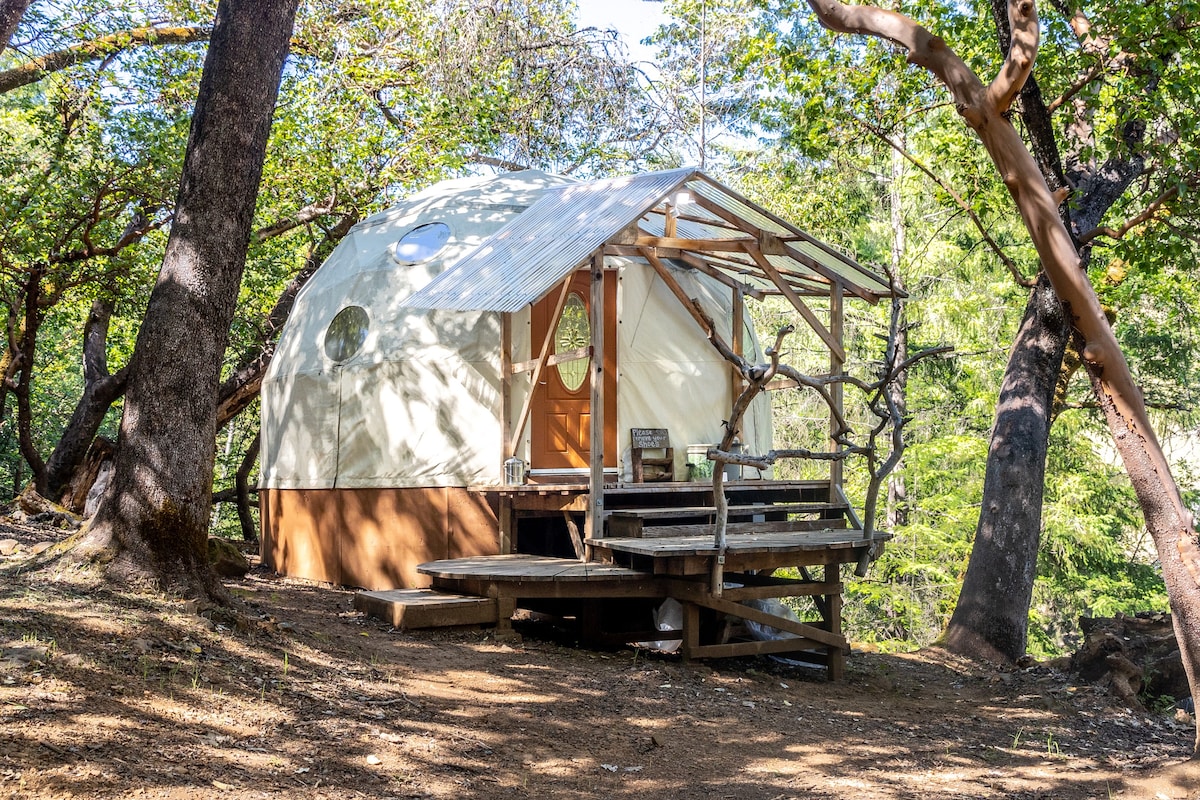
[[552, 360], [737, 335], [506, 385], [686, 301], [594, 524], [837, 365], [865, 294], [710, 245], [547, 343], [830, 339]]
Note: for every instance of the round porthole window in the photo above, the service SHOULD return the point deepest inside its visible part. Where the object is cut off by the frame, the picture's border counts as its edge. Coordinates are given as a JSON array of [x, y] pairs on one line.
[[346, 334], [421, 243]]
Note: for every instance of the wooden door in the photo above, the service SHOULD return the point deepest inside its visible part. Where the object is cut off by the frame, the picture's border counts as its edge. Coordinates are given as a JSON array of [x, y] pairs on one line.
[[560, 417]]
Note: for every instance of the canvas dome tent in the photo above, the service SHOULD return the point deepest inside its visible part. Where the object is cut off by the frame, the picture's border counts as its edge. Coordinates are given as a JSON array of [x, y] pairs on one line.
[[402, 381]]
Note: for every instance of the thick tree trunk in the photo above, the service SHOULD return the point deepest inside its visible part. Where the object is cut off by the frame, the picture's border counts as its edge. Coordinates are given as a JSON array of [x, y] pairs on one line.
[[11, 12], [992, 614], [239, 389], [991, 619], [100, 391], [152, 525], [984, 108]]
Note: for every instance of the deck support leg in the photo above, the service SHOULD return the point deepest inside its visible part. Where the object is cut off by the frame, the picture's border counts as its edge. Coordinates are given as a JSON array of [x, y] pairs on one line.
[[591, 621], [506, 606], [507, 525], [691, 630], [833, 620]]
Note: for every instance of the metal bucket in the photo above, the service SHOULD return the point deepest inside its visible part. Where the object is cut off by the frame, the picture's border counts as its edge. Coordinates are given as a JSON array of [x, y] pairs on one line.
[[514, 472]]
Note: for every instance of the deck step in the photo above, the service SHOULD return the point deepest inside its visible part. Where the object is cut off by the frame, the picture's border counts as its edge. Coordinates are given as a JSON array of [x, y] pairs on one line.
[[408, 609]]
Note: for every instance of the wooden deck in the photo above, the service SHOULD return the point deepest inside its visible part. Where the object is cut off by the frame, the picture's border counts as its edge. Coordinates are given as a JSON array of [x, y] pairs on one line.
[[774, 525]]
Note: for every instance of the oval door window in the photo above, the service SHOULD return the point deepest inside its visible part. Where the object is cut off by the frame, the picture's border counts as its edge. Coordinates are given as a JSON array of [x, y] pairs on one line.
[[573, 332]]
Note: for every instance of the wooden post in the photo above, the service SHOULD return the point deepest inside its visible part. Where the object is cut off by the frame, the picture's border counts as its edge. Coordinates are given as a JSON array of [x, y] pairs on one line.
[[508, 447], [735, 341], [837, 365], [836, 658], [594, 524]]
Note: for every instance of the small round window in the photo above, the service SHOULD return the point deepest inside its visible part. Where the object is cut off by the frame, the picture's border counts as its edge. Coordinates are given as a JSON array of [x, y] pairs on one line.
[[573, 332], [421, 243], [346, 333]]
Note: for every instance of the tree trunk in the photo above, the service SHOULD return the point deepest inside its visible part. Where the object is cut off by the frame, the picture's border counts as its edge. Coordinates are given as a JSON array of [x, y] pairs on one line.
[[23, 390], [984, 109], [991, 617], [100, 391], [242, 485], [152, 525], [11, 12], [240, 388], [897, 493]]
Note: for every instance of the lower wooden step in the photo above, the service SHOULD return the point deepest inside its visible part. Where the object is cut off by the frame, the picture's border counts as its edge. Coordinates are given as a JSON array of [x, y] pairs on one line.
[[426, 608]]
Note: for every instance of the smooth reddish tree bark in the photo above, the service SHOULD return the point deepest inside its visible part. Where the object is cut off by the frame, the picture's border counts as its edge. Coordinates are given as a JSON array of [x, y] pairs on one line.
[[984, 109]]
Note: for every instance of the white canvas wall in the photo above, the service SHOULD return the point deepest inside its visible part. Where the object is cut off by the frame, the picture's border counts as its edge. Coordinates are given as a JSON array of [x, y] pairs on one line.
[[419, 404]]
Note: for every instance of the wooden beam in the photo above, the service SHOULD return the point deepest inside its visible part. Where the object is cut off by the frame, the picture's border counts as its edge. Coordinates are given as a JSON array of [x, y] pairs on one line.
[[737, 335], [682, 297], [693, 260], [828, 338], [799, 234], [702, 245], [507, 447], [594, 523], [696, 592], [519, 430], [556, 358], [837, 365]]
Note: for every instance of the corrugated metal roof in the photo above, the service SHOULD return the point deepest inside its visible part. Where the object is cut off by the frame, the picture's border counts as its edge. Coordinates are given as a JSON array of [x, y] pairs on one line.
[[534, 252], [526, 258]]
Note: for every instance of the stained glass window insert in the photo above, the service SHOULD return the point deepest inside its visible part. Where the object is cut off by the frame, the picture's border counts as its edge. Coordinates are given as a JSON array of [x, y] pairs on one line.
[[573, 332]]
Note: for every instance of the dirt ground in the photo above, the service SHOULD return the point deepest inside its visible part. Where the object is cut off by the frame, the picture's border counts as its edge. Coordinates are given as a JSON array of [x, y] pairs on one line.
[[105, 694]]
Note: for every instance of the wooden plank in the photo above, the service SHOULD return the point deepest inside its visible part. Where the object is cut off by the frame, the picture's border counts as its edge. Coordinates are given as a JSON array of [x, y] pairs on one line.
[[508, 528], [425, 608], [695, 592], [756, 648], [745, 528], [593, 522], [700, 245], [526, 568], [791, 589], [837, 659], [681, 296], [549, 502], [797, 303], [544, 354], [785, 544], [552, 360], [837, 365], [675, 512], [573, 532], [711, 270], [506, 385]]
